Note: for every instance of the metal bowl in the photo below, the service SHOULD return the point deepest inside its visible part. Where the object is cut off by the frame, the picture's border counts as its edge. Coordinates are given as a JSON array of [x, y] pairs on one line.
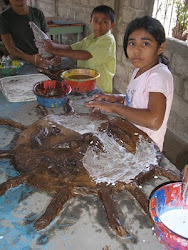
[[10, 69], [52, 93], [81, 80]]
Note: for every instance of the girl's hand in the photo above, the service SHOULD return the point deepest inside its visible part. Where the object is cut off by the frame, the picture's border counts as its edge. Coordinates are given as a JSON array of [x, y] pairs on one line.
[[102, 105], [108, 97], [185, 184]]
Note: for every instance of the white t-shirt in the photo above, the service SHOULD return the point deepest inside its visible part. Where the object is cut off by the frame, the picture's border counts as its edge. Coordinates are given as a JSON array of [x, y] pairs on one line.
[[156, 79]]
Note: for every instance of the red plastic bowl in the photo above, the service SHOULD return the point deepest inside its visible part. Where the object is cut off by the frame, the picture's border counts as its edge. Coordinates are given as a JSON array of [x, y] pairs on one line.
[[166, 198], [82, 87]]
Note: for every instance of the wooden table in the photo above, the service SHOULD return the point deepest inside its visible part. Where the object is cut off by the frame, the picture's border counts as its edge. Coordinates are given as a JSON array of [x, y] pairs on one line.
[[83, 223], [57, 31]]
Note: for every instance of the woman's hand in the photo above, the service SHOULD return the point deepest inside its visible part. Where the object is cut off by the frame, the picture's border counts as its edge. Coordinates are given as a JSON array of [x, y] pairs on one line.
[[55, 61], [45, 63], [40, 62]]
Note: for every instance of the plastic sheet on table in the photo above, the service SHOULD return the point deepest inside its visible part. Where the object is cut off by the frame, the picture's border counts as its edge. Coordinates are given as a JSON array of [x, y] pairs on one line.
[[20, 88]]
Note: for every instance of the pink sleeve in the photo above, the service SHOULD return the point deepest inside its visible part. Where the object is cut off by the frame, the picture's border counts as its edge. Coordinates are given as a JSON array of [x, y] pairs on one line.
[[157, 83]]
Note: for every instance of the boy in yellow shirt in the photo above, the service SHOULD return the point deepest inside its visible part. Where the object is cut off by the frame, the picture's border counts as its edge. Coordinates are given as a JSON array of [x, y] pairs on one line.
[[96, 51]]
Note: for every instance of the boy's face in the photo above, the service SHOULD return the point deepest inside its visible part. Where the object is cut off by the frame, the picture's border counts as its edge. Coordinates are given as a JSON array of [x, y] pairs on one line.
[[101, 24]]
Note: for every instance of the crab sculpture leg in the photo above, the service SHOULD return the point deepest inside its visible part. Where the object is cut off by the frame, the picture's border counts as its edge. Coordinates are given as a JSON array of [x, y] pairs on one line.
[[6, 153], [12, 124], [135, 189], [14, 182], [53, 209], [105, 193]]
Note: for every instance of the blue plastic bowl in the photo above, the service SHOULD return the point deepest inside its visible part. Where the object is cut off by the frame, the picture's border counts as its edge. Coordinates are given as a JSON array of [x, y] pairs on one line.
[[52, 93], [52, 102]]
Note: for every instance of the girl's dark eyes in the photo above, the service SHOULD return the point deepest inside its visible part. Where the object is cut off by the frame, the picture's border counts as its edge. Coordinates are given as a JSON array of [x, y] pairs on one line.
[[145, 43], [134, 44], [96, 21]]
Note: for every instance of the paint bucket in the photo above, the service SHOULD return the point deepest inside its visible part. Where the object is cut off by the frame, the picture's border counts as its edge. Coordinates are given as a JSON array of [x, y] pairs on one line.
[[167, 198], [51, 93], [81, 80]]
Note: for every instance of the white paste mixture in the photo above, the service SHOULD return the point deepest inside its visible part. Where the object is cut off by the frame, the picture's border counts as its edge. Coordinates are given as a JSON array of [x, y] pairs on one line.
[[114, 163], [177, 221]]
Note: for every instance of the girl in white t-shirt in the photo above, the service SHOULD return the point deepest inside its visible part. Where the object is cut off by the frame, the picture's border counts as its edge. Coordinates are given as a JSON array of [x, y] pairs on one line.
[[149, 95]]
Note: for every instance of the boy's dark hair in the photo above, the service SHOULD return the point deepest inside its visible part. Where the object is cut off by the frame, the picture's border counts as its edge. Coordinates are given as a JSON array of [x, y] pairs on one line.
[[6, 2], [105, 9], [152, 26]]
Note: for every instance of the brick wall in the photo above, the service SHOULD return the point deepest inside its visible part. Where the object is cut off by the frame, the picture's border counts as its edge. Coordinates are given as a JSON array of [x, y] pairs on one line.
[[177, 52], [79, 10], [47, 6], [126, 10]]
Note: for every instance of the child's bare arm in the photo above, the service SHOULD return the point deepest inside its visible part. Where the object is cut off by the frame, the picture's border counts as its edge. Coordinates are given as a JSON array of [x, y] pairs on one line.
[[51, 46], [185, 184], [185, 174], [66, 51], [152, 117]]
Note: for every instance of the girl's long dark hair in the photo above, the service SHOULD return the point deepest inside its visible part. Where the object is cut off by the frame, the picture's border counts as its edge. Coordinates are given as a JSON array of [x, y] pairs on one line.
[[152, 26]]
